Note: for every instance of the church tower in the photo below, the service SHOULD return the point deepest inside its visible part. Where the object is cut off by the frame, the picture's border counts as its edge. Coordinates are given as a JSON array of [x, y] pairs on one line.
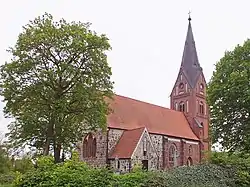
[[189, 92]]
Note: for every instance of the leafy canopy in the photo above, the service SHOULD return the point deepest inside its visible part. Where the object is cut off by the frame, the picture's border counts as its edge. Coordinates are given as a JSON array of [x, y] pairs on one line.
[[229, 98], [54, 86]]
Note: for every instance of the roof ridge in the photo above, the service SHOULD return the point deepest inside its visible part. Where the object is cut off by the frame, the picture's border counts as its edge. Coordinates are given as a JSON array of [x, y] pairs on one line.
[[145, 102], [136, 129]]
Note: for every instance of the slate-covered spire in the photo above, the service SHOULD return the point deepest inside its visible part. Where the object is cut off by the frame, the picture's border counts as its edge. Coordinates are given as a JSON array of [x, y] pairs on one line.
[[190, 64]]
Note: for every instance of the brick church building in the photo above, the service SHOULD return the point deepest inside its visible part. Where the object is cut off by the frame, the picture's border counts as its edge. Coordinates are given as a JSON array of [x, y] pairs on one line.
[[151, 135]]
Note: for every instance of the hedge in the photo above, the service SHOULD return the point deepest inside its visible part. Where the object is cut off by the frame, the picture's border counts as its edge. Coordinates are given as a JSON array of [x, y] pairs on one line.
[[77, 174]]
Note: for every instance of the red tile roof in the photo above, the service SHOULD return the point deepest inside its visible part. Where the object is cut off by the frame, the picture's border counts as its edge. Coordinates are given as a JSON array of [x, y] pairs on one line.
[[127, 143], [131, 114]]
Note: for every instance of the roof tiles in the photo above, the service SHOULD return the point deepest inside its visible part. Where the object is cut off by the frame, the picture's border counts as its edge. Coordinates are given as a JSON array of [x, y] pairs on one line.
[[127, 143], [130, 114]]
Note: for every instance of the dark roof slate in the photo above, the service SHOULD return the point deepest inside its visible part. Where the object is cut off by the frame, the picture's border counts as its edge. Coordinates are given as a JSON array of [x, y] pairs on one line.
[[190, 64]]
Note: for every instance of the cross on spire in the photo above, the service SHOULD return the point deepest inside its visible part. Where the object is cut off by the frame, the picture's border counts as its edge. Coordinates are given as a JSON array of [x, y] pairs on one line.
[[189, 16]]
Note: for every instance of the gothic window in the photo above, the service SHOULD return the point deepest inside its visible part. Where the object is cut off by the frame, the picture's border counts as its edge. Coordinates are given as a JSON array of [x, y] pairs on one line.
[[182, 107], [118, 164], [189, 161], [176, 106], [173, 154], [89, 146], [201, 106], [144, 146], [190, 150]]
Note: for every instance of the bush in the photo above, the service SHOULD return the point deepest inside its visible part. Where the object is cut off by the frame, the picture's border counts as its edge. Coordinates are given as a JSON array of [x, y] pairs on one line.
[[240, 162], [206, 175], [75, 173], [7, 178], [71, 173]]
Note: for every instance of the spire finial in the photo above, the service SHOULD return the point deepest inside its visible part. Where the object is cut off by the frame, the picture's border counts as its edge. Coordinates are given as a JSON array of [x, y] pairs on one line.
[[189, 17]]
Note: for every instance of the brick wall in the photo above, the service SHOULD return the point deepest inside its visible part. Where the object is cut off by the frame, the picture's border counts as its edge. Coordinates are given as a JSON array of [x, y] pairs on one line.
[[183, 151]]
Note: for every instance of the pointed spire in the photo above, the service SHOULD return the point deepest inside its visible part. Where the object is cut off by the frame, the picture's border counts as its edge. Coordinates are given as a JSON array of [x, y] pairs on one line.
[[190, 63], [189, 17]]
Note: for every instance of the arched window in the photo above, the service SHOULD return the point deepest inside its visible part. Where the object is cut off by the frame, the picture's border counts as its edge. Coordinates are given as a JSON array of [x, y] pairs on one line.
[[189, 161], [176, 106], [89, 146], [182, 106], [190, 150], [201, 105], [173, 154]]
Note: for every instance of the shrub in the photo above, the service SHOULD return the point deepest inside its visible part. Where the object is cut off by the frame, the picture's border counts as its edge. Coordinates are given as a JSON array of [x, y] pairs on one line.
[[240, 162], [71, 173], [7, 178], [200, 175], [75, 173]]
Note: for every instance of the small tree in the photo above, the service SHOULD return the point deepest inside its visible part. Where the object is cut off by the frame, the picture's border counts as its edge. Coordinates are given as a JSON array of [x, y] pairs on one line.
[[229, 98], [5, 163], [55, 84]]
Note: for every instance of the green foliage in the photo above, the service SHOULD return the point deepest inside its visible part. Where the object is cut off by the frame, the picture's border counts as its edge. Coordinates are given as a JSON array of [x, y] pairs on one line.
[[7, 178], [133, 179], [71, 173], [5, 163], [75, 173], [239, 162], [23, 165], [206, 175], [229, 98], [55, 84]]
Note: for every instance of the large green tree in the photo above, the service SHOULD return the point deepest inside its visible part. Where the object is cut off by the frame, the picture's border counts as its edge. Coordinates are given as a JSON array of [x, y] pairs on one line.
[[55, 85], [229, 99]]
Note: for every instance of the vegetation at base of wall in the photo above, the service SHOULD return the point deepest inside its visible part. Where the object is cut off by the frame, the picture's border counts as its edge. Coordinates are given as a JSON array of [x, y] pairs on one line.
[[224, 169], [75, 173]]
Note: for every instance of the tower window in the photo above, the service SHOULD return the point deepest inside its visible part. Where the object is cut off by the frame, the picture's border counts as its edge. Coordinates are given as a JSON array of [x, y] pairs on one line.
[[201, 107], [176, 106], [182, 107], [181, 86]]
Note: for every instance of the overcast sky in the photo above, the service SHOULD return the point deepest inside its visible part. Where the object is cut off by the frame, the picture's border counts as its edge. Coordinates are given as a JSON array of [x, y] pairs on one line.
[[147, 36]]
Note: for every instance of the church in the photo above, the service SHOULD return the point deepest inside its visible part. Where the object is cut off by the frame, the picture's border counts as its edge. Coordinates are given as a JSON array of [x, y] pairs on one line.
[[157, 138]]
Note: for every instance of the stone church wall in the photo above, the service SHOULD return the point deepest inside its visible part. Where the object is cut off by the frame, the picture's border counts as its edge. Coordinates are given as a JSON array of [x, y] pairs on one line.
[[124, 165], [101, 147], [157, 141], [113, 137], [151, 155]]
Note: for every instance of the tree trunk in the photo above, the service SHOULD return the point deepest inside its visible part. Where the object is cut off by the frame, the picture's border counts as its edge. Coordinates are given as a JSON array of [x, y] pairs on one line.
[[57, 152], [48, 139], [46, 147]]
